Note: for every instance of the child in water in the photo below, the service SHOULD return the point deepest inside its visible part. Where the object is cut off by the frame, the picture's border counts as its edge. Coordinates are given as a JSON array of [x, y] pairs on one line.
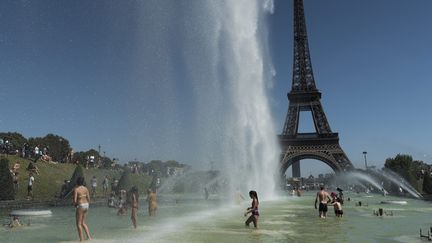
[[253, 210], [338, 207]]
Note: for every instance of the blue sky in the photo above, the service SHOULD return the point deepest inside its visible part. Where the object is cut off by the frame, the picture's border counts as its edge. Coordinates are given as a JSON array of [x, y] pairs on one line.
[[372, 61], [113, 73]]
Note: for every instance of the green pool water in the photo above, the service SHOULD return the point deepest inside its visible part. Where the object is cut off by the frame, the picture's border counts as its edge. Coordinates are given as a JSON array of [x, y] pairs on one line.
[[286, 219]]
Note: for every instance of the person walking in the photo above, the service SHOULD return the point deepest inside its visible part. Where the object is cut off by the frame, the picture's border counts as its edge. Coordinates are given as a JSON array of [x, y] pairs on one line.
[[253, 210]]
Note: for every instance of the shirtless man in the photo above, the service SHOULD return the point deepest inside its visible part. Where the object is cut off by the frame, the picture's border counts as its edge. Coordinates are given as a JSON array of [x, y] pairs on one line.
[[323, 198]]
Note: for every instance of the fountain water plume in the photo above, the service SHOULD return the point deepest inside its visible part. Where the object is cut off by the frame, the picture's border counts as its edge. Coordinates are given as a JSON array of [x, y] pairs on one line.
[[238, 75], [387, 174], [365, 177], [398, 180]]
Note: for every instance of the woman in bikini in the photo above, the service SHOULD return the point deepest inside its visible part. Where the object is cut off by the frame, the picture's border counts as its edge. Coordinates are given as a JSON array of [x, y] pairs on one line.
[[253, 210], [152, 203], [81, 201]]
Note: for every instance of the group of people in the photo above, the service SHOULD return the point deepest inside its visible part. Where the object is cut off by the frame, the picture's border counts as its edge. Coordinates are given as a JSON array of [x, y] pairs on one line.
[[81, 200], [322, 197], [325, 199], [32, 170]]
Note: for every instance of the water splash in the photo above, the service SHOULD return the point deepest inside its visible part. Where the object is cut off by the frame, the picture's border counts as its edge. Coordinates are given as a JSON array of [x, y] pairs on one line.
[[363, 177], [401, 182], [389, 175], [237, 78]]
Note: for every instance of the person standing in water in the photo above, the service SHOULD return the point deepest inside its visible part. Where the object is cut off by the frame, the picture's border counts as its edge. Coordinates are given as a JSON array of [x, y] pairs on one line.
[[337, 204], [81, 200], [152, 203], [93, 186], [134, 206], [253, 210], [324, 198]]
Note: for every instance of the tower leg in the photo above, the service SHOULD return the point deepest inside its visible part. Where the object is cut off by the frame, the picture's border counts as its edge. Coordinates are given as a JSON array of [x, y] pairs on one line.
[[296, 169]]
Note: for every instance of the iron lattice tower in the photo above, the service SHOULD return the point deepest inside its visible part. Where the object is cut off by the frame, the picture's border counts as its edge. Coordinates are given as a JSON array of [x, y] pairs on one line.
[[323, 144]]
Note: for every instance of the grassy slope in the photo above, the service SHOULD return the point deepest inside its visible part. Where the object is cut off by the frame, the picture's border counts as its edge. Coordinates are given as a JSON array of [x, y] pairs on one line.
[[51, 176]]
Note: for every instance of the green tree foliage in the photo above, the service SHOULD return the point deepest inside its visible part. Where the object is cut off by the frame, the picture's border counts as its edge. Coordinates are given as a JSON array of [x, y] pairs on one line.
[[125, 182], [161, 168], [78, 172], [106, 162], [156, 166], [427, 183], [81, 157], [401, 164], [6, 184], [58, 147], [406, 167], [15, 139]]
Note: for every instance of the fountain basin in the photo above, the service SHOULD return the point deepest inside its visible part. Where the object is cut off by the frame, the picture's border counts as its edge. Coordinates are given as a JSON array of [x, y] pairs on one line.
[[30, 212], [397, 202]]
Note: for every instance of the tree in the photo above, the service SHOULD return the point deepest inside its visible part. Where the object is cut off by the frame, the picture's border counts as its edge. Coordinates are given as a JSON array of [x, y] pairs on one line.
[[406, 167], [401, 164], [106, 162], [58, 147], [157, 166], [125, 182], [16, 140], [427, 183], [7, 191], [78, 172], [81, 157]]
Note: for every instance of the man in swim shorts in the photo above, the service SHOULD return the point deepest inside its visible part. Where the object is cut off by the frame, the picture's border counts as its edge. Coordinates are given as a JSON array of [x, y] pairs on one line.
[[324, 198]]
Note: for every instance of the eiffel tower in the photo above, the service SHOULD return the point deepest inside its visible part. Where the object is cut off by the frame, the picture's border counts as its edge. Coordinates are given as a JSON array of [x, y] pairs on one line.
[[323, 144]]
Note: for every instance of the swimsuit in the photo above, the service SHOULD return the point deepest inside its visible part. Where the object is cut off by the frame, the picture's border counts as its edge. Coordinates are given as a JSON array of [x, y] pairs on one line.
[[255, 212], [339, 212], [83, 205], [323, 207]]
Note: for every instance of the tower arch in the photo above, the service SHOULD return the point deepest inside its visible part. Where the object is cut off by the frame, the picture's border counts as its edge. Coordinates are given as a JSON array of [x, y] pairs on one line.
[[323, 144]]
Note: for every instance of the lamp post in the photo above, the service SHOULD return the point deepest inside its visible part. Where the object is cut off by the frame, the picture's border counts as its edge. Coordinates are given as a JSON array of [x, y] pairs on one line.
[[364, 153]]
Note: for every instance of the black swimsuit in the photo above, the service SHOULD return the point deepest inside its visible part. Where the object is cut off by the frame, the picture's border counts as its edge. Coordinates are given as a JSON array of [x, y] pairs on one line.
[[323, 207]]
